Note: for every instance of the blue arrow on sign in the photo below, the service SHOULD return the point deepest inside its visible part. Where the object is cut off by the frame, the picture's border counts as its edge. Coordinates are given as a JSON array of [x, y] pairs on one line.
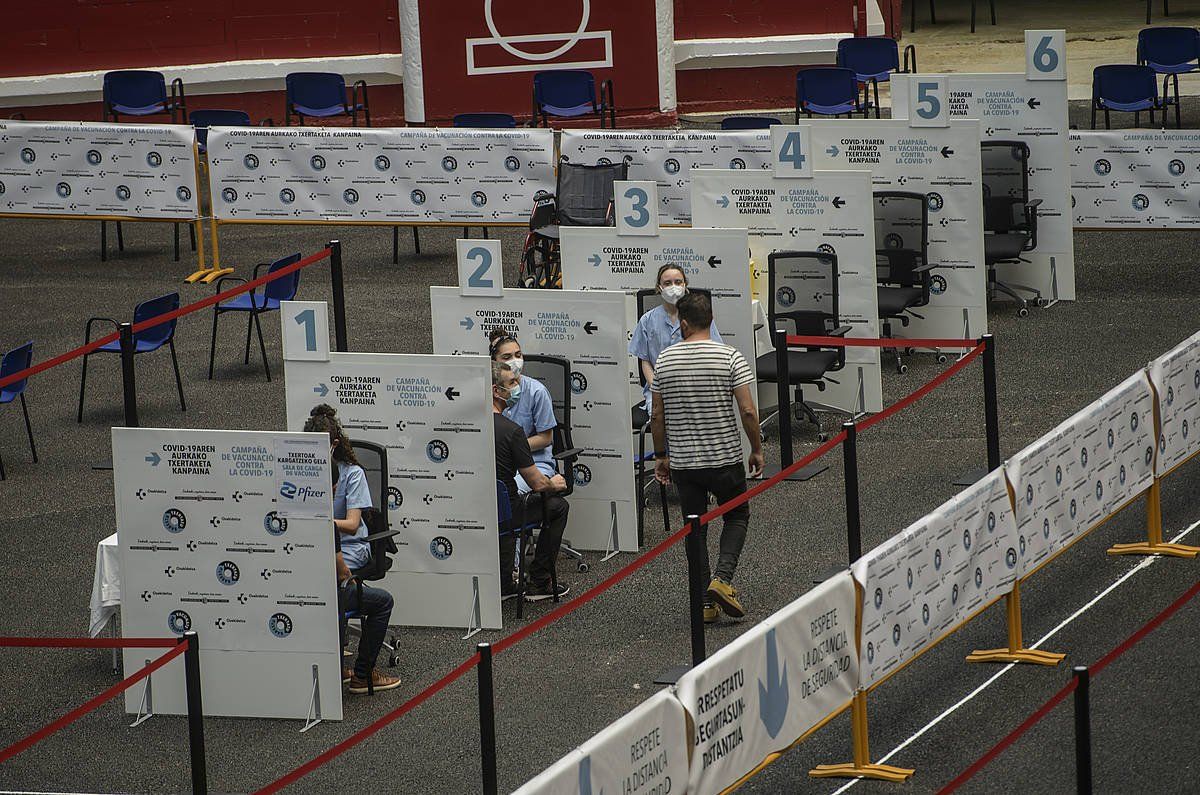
[[595, 260], [153, 459], [773, 698], [585, 776], [832, 151], [467, 323], [321, 390], [723, 202]]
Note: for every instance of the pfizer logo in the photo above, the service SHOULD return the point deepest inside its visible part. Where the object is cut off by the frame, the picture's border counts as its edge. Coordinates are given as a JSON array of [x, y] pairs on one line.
[[511, 163], [1141, 202], [280, 625], [123, 192], [478, 198], [785, 297], [317, 162], [28, 155], [1176, 167], [228, 195], [228, 572], [671, 165], [1102, 167], [441, 548], [449, 163], [583, 475], [174, 521], [183, 193], [250, 161], [935, 202], [417, 197], [94, 158], [579, 383], [275, 524], [179, 622], [382, 163], [437, 451], [287, 196], [63, 189], [153, 159], [350, 196]]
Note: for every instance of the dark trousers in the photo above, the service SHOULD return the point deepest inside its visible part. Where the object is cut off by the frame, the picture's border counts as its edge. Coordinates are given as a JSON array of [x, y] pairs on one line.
[[549, 540], [724, 483], [376, 610]]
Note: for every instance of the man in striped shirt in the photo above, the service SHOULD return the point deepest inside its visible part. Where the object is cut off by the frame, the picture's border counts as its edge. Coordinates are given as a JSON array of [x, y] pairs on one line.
[[696, 439]]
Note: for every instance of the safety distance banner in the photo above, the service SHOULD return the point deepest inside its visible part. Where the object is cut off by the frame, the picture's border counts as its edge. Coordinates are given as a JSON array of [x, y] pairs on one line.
[[1135, 179], [386, 175], [230, 534], [765, 690], [668, 157], [925, 581], [831, 213], [1080, 473], [943, 163], [645, 751], [98, 170], [1010, 107], [1176, 379], [589, 330]]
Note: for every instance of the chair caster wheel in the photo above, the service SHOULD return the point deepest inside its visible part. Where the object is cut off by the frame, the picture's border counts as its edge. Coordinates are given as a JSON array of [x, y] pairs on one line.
[[942, 358], [822, 437], [902, 369], [1023, 312], [1042, 302], [762, 437], [394, 660], [909, 351], [583, 568]]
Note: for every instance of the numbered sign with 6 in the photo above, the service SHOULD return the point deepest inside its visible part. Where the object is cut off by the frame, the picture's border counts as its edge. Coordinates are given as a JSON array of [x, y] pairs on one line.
[[1045, 55]]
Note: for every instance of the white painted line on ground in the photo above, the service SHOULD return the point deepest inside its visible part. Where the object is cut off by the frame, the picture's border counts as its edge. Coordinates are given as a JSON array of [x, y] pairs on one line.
[[1143, 564]]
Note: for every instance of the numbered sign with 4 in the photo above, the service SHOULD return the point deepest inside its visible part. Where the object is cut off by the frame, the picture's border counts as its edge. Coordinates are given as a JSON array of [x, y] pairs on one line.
[[791, 145]]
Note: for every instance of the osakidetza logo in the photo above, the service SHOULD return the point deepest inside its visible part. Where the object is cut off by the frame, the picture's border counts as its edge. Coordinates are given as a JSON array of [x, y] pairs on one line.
[[291, 491]]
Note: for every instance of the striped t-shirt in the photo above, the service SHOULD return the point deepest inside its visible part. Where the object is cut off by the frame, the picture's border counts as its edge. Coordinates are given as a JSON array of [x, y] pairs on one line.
[[696, 381]]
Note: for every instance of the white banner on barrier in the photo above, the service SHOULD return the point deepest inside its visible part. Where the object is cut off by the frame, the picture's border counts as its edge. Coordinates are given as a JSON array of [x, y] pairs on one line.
[[1080, 473], [942, 163], [802, 664], [433, 414], [1011, 108], [1135, 179], [644, 752], [384, 175], [927, 580], [1176, 379], [831, 212], [230, 534], [668, 157], [588, 329], [98, 170]]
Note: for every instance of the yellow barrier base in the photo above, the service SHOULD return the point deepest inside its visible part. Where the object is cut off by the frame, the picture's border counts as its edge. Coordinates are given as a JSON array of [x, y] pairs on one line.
[[1030, 656], [871, 771], [1147, 548], [208, 275]]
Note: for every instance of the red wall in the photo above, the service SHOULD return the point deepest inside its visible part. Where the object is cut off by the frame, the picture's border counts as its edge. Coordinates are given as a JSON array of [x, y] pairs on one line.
[[718, 19]]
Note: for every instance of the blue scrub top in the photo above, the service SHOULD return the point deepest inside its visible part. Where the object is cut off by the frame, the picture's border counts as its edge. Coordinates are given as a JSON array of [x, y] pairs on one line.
[[656, 332], [534, 412], [352, 492]]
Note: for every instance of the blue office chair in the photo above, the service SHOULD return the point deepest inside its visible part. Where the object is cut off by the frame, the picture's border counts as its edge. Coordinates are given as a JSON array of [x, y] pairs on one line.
[[570, 94], [874, 59], [145, 341], [494, 121], [255, 304], [1170, 52], [322, 95], [522, 530], [827, 91], [137, 92], [1127, 88], [15, 361], [748, 122]]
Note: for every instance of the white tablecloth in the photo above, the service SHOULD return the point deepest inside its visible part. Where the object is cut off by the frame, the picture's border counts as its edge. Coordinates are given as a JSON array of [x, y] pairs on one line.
[[106, 585]]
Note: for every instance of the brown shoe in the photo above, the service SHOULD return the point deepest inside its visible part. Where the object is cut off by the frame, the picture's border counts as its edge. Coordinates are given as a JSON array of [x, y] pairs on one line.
[[379, 681], [347, 675]]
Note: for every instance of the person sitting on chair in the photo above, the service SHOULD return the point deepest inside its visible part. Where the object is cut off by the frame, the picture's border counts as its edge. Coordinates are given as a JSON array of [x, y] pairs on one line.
[[351, 494], [514, 457], [534, 410]]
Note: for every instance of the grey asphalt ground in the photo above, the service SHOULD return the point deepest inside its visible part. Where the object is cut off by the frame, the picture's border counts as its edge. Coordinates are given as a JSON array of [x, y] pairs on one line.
[[556, 689]]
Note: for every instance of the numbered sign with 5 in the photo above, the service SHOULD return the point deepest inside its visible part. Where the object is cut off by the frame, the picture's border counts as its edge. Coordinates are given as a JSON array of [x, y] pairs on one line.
[[1045, 55], [636, 207], [480, 271], [791, 145], [928, 102]]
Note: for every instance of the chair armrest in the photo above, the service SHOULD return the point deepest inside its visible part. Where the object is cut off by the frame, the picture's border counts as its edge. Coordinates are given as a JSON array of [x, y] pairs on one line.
[[384, 536], [1034, 203], [177, 95], [569, 455], [926, 268], [87, 331], [840, 331], [224, 279], [260, 266]]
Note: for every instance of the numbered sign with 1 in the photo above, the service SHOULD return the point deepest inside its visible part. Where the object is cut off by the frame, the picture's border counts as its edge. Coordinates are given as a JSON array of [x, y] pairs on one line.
[[928, 101], [305, 330], [479, 267], [636, 207], [792, 150], [1045, 55]]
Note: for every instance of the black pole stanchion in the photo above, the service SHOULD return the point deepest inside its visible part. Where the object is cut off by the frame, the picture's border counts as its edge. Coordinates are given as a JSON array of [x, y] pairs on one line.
[[694, 548], [1083, 732], [853, 516], [195, 711], [487, 719], [991, 410], [339, 296], [783, 388], [128, 381]]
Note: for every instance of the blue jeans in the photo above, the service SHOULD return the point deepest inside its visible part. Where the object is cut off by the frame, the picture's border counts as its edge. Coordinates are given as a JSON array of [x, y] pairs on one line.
[[375, 611]]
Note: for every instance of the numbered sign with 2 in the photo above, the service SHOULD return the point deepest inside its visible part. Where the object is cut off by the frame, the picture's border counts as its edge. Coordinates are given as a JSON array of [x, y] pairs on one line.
[[929, 101], [792, 147], [305, 330], [636, 207], [480, 271], [1045, 55]]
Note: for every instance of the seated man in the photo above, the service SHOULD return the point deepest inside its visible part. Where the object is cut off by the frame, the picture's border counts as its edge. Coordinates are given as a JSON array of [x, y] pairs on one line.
[[513, 456], [376, 609]]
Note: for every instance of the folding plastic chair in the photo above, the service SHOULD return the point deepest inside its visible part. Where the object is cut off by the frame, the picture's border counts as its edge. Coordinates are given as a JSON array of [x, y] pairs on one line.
[[322, 95], [495, 121], [145, 341], [570, 94], [827, 91], [1170, 52], [1127, 88], [874, 59], [748, 122], [137, 92], [255, 304], [15, 361]]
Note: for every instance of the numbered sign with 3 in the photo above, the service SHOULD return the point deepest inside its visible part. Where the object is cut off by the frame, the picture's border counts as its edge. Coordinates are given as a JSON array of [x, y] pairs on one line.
[[929, 101], [792, 149], [305, 330], [479, 267], [1045, 55], [636, 207]]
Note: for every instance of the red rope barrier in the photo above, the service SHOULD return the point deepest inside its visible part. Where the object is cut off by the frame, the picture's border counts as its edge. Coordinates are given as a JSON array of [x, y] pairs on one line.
[[89, 643], [80, 711], [917, 394], [882, 342], [62, 358]]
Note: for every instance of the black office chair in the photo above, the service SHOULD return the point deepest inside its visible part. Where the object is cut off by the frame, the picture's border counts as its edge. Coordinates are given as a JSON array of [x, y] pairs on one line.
[[1009, 216], [804, 294], [373, 459], [902, 266]]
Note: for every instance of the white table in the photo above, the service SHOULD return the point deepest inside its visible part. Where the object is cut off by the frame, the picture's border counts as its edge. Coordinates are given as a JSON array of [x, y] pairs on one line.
[[106, 585]]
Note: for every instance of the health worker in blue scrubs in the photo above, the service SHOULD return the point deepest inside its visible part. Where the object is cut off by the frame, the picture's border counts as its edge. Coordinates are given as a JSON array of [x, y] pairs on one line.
[[531, 406]]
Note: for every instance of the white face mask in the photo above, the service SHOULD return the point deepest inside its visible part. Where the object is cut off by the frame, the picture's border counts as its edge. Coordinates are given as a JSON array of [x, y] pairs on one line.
[[673, 293], [516, 364]]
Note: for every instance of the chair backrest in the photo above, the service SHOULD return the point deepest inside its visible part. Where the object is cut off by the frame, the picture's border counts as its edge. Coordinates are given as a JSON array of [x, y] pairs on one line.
[[564, 88], [870, 57], [827, 86], [317, 90], [1005, 166], [373, 460], [203, 119], [901, 235], [803, 291], [585, 193], [156, 335], [15, 361], [135, 88], [1169, 49], [748, 122], [648, 299], [285, 287], [554, 372], [485, 120], [1124, 83]]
